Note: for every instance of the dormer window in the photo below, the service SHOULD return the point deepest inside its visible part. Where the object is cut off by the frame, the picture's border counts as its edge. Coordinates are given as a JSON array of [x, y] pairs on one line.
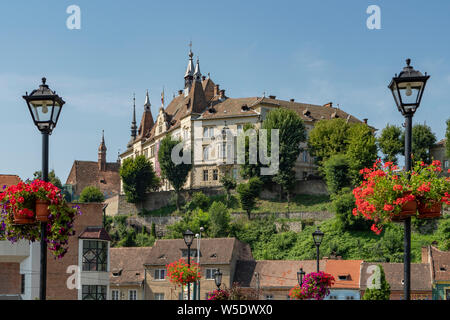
[[245, 108], [344, 277], [117, 273], [442, 268]]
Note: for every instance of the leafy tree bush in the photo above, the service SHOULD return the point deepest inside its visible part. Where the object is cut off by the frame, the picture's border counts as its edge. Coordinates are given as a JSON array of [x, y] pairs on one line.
[[200, 200], [291, 133], [444, 234], [382, 293], [337, 173], [220, 220], [327, 138], [191, 220], [228, 183], [361, 149], [343, 204], [390, 143], [138, 178], [248, 192], [91, 194], [422, 140], [176, 173]]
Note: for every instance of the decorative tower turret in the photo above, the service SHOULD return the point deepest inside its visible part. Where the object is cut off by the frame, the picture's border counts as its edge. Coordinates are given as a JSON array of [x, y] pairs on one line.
[[102, 154], [189, 75]]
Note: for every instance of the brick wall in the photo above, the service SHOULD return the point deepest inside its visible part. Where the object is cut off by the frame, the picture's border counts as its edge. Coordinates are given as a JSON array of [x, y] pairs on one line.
[[92, 215], [10, 279]]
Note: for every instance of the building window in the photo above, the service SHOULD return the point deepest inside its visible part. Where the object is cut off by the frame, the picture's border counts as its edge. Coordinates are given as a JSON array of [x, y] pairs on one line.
[[22, 284], [95, 255], [215, 174], [115, 295], [159, 296], [447, 294], [209, 273], [152, 151], [206, 153], [93, 292], [208, 132], [132, 295], [350, 298], [445, 164], [305, 156], [205, 175], [269, 296], [160, 274], [239, 129], [333, 297]]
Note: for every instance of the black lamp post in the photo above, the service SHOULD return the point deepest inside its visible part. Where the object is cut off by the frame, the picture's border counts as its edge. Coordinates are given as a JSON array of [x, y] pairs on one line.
[[45, 106], [188, 236], [317, 237], [300, 275], [407, 89], [218, 278]]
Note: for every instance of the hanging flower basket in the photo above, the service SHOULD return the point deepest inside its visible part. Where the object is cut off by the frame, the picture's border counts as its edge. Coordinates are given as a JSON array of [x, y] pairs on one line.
[[315, 286], [408, 209], [42, 210], [19, 204], [218, 294], [180, 273], [429, 210]]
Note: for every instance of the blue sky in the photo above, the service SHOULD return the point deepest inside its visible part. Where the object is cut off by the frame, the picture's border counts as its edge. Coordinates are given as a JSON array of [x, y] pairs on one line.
[[313, 51]]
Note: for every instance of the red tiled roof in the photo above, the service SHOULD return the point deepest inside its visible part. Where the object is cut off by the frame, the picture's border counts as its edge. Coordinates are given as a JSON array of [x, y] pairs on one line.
[[441, 264], [98, 233], [127, 265], [350, 269]]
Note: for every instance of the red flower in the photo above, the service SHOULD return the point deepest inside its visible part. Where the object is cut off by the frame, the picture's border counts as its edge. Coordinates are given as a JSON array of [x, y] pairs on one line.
[[397, 187], [388, 207]]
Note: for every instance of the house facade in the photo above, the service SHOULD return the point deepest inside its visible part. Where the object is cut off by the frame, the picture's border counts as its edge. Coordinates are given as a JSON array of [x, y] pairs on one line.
[[347, 275], [127, 272], [208, 122], [438, 152], [439, 262], [217, 253]]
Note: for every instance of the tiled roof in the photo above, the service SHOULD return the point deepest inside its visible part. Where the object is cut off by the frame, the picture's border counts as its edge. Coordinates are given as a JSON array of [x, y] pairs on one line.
[[345, 272], [420, 275], [87, 173], [98, 233], [440, 264], [127, 265], [273, 273], [8, 180], [230, 107], [213, 251]]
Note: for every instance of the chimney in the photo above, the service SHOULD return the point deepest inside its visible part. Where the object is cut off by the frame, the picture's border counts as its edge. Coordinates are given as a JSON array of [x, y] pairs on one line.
[[222, 94], [180, 92], [292, 100], [272, 97], [365, 120], [425, 254], [329, 104], [216, 90]]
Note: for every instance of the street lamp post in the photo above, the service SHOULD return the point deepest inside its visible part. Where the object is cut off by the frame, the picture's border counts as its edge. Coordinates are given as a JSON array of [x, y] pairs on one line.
[[188, 236], [407, 89], [300, 275], [218, 278], [45, 107], [317, 237], [199, 238]]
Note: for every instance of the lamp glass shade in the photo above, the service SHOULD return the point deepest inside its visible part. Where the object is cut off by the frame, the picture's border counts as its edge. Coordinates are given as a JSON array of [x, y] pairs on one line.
[[188, 236], [218, 277], [317, 237]]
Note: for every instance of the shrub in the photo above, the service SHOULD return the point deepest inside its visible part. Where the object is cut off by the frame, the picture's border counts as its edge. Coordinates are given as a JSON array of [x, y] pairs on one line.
[[337, 173], [220, 220], [91, 194]]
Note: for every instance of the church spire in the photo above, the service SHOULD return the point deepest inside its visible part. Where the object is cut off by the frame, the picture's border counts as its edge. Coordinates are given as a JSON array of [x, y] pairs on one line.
[[147, 103], [102, 154], [133, 122], [189, 75], [197, 73]]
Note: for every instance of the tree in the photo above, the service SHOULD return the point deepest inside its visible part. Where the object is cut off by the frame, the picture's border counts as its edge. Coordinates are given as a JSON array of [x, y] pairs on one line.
[[381, 293], [228, 183], [447, 141], [91, 194], [51, 177], [292, 132], [248, 192], [343, 204], [361, 149], [247, 169], [176, 173], [422, 140], [327, 138], [390, 143], [220, 220], [337, 173], [138, 178]]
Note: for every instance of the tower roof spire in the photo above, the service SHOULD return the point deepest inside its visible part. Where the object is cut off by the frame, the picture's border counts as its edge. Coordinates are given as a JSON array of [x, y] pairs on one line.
[[147, 103], [190, 67], [102, 146], [197, 73], [133, 122]]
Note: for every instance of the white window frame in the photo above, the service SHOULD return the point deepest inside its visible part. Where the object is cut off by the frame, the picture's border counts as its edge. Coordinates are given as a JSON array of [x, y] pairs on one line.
[[269, 296], [212, 271], [445, 164], [132, 293], [113, 292], [159, 295], [158, 271]]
